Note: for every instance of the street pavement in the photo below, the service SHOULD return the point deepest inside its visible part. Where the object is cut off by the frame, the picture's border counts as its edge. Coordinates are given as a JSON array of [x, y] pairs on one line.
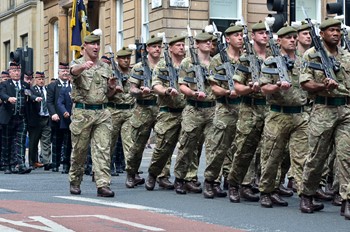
[[40, 201]]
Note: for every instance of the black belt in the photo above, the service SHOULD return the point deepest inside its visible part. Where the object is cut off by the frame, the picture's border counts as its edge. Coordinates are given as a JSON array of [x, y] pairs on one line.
[[170, 110], [332, 101], [146, 102], [90, 106], [254, 101], [120, 106], [287, 109], [230, 101], [201, 104]]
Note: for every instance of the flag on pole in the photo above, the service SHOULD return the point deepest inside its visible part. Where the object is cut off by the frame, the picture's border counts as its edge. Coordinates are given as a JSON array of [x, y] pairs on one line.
[[79, 26]]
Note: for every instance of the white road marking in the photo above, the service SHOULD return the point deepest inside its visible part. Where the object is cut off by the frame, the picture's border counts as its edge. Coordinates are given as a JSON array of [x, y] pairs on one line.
[[8, 191], [7, 229], [133, 224], [129, 206], [49, 225]]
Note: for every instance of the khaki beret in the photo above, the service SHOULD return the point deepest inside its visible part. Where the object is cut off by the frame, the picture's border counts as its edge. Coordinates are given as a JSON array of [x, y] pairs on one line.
[[304, 26], [124, 52], [91, 38], [286, 29], [259, 26], [233, 28], [177, 39], [203, 36], [154, 40], [328, 23]]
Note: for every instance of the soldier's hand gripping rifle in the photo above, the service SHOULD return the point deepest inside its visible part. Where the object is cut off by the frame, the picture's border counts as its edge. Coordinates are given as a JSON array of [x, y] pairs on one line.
[[117, 74], [145, 69], [227, 66], [328, 65], [197, 69], [280, 61], [251, 58], [172, 76]]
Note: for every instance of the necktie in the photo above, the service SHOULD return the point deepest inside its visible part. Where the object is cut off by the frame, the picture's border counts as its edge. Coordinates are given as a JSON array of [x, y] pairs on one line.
[[43, 102], [17, 85], [64, 84]]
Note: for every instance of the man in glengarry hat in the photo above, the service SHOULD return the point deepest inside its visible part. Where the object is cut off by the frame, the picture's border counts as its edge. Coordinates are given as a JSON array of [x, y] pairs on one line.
[[57, 135], [38, 124], [14, 94]]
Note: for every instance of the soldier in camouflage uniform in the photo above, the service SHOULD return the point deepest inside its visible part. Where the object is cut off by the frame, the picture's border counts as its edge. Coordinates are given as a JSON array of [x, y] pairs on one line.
[[91, 120], [144, 116], [168, 125], [197, 117], [286, 122], [330, 117], [251, 117], [121, 104], [226, 113]]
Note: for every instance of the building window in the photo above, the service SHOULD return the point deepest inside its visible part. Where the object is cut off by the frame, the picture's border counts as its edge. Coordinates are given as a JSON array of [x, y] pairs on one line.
[[7, 50], [145, 20], [120, 16], [11, 4], [55, 49], [220, 11], [312, 7], [24, 39]]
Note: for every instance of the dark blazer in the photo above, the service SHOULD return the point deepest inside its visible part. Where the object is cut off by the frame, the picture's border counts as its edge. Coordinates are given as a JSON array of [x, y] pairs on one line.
[[64, 104], [53, 92], [7, 89], [34, 106]]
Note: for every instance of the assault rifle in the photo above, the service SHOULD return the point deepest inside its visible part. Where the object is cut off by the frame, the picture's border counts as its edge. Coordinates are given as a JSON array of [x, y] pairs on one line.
[[346, 38], [227, 66], [172, 76], [328, 64], [117, 74], [280, 61], [145, 69], [254, 62], [198, 70]]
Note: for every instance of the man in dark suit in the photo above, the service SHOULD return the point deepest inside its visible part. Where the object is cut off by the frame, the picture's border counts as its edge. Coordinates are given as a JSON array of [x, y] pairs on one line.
[[64, 104], [38, 124], [57, 135], [14, 94]]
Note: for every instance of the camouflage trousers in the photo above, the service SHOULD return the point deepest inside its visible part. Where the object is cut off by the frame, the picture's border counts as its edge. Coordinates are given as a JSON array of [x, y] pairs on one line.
[[141, 123], [196, 123], [221, 140], [250, 124], [329, 126], [167, 130], [120, 118], [281, 128], [91, 127]]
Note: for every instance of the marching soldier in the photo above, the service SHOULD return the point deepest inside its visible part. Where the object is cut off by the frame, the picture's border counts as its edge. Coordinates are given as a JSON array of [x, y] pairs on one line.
[[168, 125], [145, 113], [197, 117], [251, 118], [330, 118], [91, 119], [121, 104], [286, 122], [226, 112]]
